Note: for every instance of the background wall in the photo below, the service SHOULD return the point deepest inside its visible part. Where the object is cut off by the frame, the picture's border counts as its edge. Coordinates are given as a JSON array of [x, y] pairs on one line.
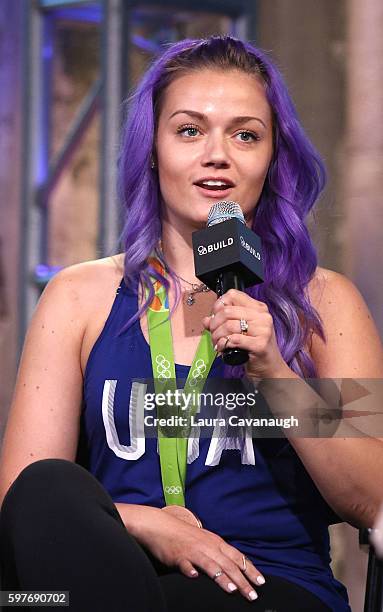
[[10, 194], [308, 40]]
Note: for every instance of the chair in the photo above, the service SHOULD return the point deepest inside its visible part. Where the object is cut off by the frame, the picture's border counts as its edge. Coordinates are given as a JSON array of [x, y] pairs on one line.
[[373, 600]]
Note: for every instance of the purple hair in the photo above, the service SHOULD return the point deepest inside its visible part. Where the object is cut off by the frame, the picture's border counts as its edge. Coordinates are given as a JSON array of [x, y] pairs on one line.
[[294, 180]]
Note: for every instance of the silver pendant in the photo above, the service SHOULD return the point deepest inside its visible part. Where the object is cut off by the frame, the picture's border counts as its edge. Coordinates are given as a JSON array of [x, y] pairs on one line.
[[190, 299]]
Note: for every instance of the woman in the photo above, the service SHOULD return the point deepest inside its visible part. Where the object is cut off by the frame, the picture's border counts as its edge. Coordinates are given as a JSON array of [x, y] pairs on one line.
[[211, 120]]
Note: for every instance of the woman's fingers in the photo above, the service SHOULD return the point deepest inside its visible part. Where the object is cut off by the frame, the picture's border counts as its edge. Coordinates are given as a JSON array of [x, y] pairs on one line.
[[238, 321], [228, 575], [233, 574], [242, 571], [253, 343], [187, 568], [238, 298], [215, 571], [234, 315], [249, 340], [243, 327], [201, 549], [246, 566]]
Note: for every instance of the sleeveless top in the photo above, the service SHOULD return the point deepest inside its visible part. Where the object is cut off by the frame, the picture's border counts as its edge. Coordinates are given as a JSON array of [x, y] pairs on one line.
[[261, 500]]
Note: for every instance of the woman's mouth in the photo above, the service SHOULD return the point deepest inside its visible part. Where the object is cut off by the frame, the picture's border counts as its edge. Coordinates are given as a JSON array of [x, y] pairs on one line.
[[214, 187]]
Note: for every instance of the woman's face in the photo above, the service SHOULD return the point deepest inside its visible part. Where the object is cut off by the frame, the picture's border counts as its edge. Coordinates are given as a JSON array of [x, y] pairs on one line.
[[214, 142]]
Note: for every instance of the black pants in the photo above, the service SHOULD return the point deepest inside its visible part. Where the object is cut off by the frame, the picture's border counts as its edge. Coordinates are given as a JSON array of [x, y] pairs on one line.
[[59, 530]]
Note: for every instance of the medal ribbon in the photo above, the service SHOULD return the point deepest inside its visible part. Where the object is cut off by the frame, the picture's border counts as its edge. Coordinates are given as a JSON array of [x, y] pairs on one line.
[[173, 450]]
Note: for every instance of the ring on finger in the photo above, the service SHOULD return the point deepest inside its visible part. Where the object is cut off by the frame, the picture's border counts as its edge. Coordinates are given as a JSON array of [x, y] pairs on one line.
[[227, 340], [217, 574], [244, 564], [244, 326]]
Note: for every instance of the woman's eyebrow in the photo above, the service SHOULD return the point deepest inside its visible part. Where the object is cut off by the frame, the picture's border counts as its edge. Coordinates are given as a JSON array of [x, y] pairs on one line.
[[202, 117]]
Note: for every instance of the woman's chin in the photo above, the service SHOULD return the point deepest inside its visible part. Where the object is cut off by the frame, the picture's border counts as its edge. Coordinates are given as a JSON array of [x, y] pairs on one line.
[[197, 217], [200, 220]]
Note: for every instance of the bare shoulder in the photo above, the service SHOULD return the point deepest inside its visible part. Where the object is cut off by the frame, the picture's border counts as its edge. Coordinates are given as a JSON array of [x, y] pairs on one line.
[[88, 290], [329, 291], [352, 345], [325, 280], [87, 279], [84, 287]]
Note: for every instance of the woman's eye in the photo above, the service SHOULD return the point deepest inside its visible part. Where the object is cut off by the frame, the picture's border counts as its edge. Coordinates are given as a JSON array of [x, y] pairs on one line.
[[191, 131], [188, 130], [247, 136]]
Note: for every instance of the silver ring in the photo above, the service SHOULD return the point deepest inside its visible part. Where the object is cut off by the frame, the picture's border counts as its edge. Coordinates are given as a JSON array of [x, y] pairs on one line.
[[217, 574], [243, 324]]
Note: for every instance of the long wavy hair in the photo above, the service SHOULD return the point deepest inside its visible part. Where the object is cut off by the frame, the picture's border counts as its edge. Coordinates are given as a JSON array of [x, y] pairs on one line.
[[295, 178]]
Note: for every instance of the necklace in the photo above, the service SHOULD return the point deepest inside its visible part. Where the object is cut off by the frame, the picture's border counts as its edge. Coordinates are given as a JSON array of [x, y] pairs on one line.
[[195, 288]]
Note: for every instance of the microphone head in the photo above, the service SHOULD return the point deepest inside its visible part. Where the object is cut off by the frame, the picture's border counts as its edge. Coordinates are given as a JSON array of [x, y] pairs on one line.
[[223, 211]]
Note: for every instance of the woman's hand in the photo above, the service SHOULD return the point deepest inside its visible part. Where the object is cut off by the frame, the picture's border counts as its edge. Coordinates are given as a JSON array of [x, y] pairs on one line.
[[265, 359], [182, 513], [176, 543]]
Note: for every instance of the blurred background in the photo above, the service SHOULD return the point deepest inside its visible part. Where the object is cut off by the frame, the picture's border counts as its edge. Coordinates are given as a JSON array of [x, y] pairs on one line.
[[66, 67]]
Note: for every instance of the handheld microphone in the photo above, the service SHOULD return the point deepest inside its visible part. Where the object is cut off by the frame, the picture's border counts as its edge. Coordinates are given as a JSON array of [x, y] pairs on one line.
[[227, 255]]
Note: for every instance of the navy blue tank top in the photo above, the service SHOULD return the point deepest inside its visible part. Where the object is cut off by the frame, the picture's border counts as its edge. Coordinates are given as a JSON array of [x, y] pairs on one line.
[[259, 497]]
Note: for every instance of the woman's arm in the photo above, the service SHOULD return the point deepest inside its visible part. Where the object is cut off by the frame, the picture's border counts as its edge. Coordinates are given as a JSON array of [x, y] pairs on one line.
[[44, 416], [347, 468]]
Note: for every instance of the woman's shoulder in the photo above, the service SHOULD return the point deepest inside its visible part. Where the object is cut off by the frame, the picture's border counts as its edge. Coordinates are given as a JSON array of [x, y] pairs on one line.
[[85, 293], [89, 279], [90, 270], [84, 290], [352, 346], [328, 289]]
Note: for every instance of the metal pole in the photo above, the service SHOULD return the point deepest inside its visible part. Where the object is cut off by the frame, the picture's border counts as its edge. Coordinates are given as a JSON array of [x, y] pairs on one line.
[[32, 164], [110, 124]]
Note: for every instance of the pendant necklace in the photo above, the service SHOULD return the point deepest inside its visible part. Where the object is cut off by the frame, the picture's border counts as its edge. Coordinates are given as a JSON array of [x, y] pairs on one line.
[[195, 288]]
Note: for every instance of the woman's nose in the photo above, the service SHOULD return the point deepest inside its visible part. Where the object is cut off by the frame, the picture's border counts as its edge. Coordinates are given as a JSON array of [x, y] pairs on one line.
[[215, 152]]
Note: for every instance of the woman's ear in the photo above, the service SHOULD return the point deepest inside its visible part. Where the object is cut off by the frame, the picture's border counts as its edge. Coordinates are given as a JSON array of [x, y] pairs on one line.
[[153, 155]]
